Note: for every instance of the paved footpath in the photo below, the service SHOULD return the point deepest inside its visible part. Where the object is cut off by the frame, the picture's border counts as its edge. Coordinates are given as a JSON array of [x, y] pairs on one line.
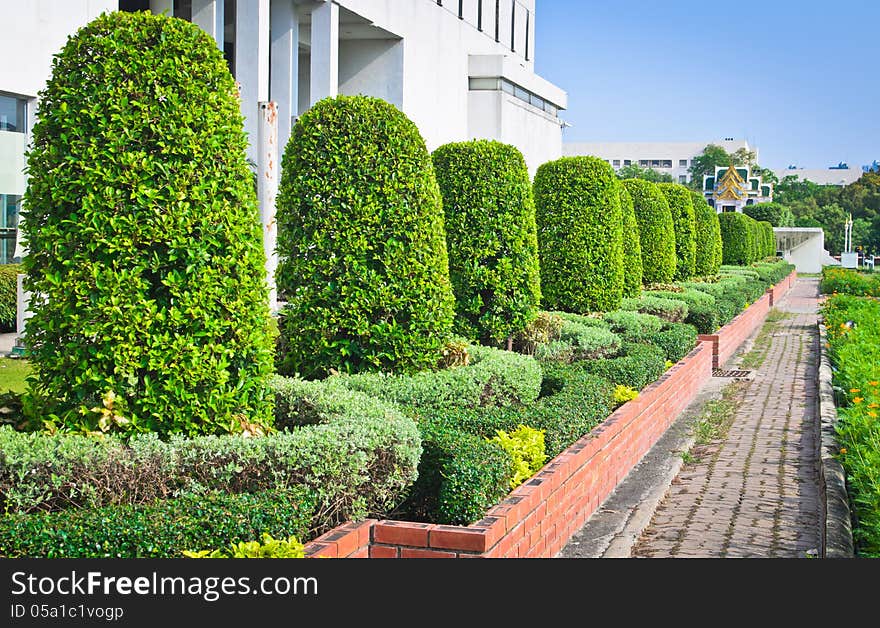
[[756, 493]]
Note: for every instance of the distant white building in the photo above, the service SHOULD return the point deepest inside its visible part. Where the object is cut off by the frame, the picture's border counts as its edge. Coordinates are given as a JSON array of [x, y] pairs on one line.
[[673, 158], [822, 176], [460, 69]]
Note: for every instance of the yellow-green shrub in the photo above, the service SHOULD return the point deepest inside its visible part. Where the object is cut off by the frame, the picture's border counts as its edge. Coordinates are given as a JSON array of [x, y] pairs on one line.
[[527, 450]]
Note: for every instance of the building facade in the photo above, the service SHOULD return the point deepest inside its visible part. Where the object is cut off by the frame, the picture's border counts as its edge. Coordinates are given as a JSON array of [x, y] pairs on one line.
[[822, 176], [673, 158], [460, 69]]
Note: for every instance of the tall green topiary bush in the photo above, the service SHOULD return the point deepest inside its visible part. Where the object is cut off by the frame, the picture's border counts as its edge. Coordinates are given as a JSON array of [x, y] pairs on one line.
[[8, 296], [738, 237], [362, 249], [707, 237], [656, 231], [145, 249], [632, 250], [769, 239], [580, 235], [491, 238], [776, 214], [682, 208]]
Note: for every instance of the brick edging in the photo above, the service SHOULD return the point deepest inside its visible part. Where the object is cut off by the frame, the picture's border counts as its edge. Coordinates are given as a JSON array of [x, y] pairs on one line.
[[837, 538]]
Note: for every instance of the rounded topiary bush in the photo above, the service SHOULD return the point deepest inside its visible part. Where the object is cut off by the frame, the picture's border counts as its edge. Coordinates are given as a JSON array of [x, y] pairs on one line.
[[682, 207], [632, 250], [707, 236], [738, 238], [361, 245], [656, 231], [145, 255], [580, 235], [491, 238]]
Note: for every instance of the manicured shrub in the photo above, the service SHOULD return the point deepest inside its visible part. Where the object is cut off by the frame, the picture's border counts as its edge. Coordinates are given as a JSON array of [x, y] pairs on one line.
[[707, 236], [266, 547], [461, 475], [768, 239], [632, 249], [356, 454], [145, 259], [776, 214], [362, 252], [702, 311], [676, 340], [671, 310], [491, 238], [163, 529], [579, 341], [8, 296], [772, 273], [525, 446], [682, 207], [633, 326], [493, 378], [545, 328], [623, 393], [738, 238], [639, 365], [656, 230], [580, 234]]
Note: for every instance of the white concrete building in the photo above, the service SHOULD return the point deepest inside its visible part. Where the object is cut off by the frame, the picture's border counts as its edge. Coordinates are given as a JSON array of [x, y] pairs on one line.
[[460, 69], [804, 247], [822, 176], [673, 158]]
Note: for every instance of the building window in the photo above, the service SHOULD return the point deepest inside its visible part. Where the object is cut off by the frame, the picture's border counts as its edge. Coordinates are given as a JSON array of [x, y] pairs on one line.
[[644, 163], [682, 163], [12, 114], [667, 163], [616, 163], [13, 122], [682, 178], [729, 208], [480, 83], [627, 162]]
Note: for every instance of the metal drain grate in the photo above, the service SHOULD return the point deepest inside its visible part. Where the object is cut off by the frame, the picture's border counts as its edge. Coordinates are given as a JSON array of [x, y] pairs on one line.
[[733, 373]]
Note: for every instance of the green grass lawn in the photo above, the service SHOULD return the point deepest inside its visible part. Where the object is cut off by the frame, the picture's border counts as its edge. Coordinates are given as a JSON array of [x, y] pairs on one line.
[[13, 373]]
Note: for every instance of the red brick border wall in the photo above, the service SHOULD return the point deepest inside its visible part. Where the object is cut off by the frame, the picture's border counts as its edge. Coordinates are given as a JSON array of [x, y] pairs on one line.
[[729, 338], [539, 517]]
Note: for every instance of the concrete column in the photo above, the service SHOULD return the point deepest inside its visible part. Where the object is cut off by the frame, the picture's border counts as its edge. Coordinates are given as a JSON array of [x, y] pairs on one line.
[[252, 64], [284, 58], [208, 15], [162, 6], [325, 52]]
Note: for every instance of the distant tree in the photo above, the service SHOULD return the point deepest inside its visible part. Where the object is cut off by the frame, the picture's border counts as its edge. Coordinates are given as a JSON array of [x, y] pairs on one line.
[[634, 171], [776, 214]]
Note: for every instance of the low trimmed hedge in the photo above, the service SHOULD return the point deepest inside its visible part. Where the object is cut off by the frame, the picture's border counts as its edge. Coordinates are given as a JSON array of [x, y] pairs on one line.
[[493, 378], [640, 365], [163, 529], [669, 310], [702, 310], [579, 340], [633, 326], [358, 456], [676, 340]]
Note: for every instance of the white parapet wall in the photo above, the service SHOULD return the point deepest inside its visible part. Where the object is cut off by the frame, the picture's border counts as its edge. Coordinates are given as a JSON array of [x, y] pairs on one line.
[[804, 247]]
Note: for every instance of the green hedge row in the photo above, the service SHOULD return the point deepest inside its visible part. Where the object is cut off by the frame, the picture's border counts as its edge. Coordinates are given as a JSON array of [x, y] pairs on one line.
[[632, 249], [707, 235], [656, 231], [681, 206]]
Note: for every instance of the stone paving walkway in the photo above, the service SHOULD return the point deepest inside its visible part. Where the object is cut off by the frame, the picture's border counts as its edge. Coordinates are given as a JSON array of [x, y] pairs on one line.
[[756, 493]]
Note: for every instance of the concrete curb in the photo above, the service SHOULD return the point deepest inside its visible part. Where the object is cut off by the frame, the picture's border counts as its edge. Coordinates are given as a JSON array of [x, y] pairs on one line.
[[837, 533]]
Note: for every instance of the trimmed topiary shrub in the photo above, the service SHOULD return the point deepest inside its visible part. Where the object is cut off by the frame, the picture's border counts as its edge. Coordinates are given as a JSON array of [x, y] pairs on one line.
[[579, 342], [639, 365], [656, 231], [702, 311], [707, 237], [670, 310], [580, 234], [632, 249], [738, 238], [776, 214], [362, 252], [145, 258], [491, 238], [9, 296], [768, 239], [676, 340], [682, 207], [633, 326]]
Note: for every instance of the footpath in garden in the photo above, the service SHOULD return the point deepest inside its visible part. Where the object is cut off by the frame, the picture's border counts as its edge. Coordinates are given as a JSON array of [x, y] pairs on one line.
[[753, 493]]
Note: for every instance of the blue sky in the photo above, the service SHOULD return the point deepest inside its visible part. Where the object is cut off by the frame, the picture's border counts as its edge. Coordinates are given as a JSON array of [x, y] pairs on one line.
[[797, 79]]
